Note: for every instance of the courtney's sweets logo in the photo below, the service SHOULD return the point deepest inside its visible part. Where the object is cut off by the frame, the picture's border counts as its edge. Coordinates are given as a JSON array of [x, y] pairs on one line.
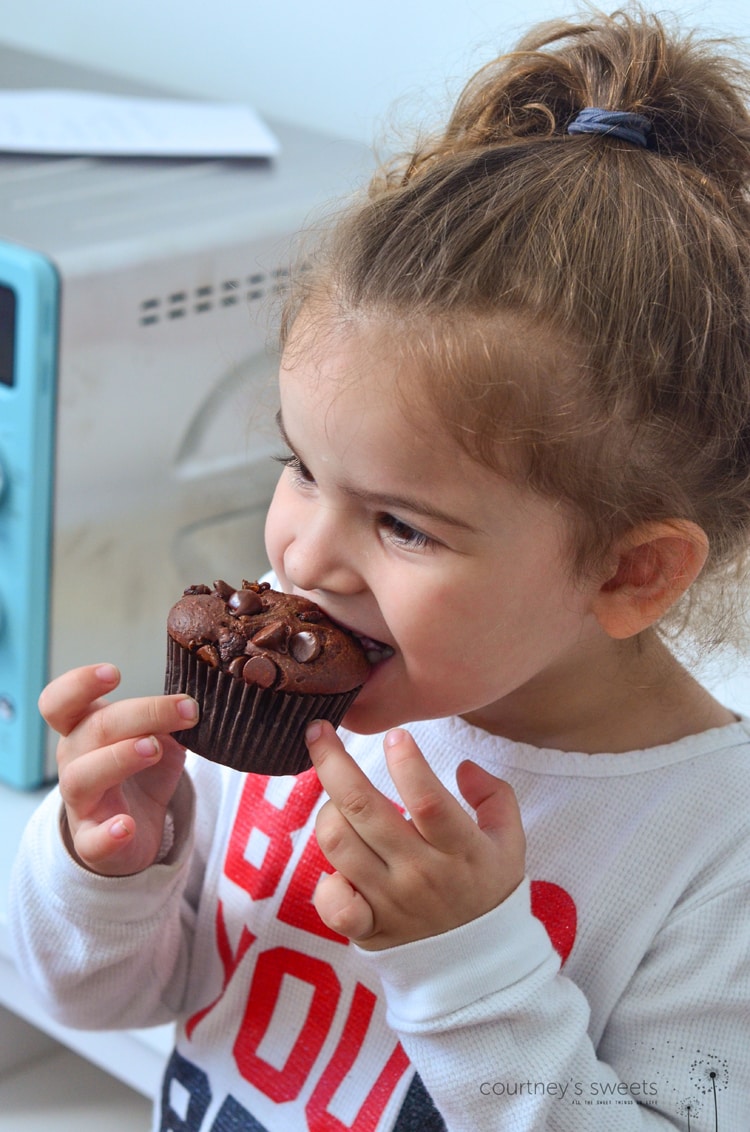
[[688, 1083], [572, 1090]]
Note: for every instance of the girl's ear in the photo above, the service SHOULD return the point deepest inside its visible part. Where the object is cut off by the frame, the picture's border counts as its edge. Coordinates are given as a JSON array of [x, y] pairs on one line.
[[653, 565]]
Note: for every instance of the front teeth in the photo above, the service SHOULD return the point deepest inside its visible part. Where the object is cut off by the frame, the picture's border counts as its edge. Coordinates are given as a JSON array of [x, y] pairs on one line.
[[375, 651]]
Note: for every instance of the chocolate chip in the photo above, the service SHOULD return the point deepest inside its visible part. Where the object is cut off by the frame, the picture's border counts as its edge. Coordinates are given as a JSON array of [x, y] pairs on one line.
[[273, 636], [304, 646], [209, 654], [223, 589], [310, 615], [191, 590], [236, 666], [244, 602], [259, 670]]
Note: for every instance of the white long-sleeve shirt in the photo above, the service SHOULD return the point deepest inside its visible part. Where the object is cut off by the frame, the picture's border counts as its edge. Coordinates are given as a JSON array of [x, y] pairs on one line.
[[610, 992]]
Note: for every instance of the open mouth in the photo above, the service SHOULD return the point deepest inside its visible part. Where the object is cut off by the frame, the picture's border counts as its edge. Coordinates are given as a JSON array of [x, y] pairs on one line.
[[375, 651]]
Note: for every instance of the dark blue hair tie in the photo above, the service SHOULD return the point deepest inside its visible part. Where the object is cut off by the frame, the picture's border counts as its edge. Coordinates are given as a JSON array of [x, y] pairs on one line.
[[623, 124]]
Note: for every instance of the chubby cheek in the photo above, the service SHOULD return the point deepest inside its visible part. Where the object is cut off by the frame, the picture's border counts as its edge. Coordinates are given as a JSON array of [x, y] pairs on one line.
[[427, 678], [390, 698]]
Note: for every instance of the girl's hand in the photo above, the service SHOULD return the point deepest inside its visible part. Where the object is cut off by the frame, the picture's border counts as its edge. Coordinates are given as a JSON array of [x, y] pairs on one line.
[[401, 879], [118, 767]]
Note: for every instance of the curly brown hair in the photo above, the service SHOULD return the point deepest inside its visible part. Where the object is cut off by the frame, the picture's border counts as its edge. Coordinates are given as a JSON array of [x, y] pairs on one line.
[[579, 305]]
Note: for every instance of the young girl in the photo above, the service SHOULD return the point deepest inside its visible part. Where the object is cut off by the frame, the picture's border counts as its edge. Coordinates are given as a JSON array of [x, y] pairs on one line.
[[514, 393]]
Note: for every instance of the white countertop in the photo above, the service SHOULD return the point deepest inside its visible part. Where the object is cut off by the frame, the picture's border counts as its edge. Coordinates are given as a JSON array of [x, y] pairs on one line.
[[136, 1057]]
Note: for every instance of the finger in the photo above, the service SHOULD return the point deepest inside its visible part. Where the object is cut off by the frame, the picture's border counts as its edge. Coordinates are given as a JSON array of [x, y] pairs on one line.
[[492, 799], [68, 698], [128, 719], [433, 810], [369, 813], [344, 848], [101, 843], [83, 781], [342, 908]]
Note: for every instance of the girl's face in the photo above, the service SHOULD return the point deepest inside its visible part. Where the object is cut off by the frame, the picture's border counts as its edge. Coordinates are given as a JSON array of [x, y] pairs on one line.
[[399, 536]]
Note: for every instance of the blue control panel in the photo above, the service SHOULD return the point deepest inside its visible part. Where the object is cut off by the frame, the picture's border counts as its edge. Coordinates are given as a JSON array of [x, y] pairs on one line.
[[29, 301]]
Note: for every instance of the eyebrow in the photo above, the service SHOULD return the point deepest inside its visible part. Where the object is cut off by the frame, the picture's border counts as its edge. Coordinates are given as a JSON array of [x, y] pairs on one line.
[[387, 501]]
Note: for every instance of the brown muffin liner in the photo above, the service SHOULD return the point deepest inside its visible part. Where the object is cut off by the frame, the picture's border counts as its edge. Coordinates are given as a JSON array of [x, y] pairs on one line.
[[251, 729]]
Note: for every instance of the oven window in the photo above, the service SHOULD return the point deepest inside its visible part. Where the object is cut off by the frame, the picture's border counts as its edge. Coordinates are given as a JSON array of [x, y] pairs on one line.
[[7, 335]]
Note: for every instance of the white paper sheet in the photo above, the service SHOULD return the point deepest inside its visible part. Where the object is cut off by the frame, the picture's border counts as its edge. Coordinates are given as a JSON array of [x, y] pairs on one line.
[[93, 124]]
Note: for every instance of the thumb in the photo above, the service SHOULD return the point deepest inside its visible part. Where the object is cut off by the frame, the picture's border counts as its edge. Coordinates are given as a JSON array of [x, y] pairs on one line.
[[493, 801]]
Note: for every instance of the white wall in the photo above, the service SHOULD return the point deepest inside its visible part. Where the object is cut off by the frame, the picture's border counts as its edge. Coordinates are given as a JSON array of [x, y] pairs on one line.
[[347, 66]]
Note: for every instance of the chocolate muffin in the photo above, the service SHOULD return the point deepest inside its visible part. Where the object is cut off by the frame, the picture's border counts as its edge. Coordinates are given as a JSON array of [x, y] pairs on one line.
[[262, 665]]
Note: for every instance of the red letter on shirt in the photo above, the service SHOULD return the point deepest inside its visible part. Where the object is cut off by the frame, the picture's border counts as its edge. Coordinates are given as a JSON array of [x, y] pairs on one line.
[[230, 961], [341, 1063], [256, 813], [284, 1084]]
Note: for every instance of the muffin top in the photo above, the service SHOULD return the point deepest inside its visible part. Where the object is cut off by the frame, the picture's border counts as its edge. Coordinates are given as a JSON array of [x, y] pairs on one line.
[[267, 638]]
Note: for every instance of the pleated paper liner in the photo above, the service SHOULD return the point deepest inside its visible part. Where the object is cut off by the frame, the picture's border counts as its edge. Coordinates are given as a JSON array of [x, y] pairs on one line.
[[243, 726]]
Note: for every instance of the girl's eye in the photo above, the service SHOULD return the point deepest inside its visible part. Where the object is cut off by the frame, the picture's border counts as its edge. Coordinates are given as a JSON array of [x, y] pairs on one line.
[[300, 474], [403, 535]]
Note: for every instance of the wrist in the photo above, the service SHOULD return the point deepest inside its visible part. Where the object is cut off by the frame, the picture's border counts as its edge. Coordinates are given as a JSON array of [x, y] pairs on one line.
[[432, 978]]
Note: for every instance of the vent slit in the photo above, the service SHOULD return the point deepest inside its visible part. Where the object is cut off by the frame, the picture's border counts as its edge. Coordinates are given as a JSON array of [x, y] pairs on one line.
[[207, 297]]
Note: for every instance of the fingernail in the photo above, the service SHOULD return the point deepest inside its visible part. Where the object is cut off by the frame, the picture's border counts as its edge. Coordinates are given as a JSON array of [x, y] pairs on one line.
[[119, 830], [188, 709], [107, 673], [394, 737], [147, 747], [314, 731]]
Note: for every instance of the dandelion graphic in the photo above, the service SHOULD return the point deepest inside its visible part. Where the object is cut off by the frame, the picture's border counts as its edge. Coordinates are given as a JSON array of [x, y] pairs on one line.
[[709, 1074], [689, 1107]]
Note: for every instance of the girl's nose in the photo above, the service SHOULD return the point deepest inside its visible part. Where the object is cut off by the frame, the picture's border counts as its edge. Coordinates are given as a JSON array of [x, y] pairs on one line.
[[321, 558]]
